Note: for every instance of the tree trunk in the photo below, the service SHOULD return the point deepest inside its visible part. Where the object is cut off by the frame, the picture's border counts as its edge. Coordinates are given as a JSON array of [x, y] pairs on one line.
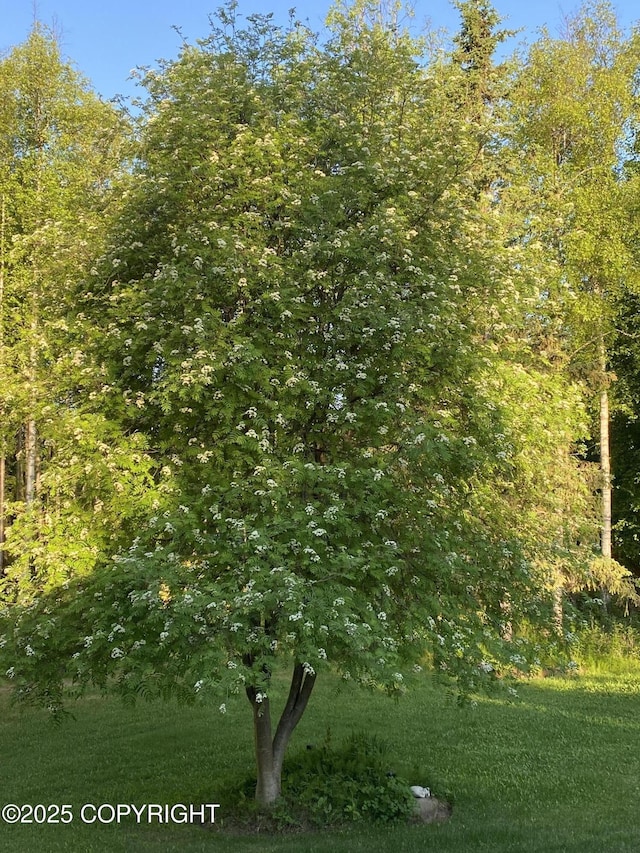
[[605, 466], [268, 780], [558, 608], [506, 630], [30, 462], [270, 752], [30, 435]]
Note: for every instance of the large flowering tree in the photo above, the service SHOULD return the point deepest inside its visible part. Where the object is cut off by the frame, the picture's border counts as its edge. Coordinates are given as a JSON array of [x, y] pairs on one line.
[[299, 311]]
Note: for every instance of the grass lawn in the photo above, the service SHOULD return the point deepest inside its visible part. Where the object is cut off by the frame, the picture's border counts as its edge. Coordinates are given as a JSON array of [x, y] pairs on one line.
[[556, 770]]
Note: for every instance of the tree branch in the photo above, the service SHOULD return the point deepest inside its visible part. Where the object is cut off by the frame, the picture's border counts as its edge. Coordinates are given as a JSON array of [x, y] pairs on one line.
[[301, 686]]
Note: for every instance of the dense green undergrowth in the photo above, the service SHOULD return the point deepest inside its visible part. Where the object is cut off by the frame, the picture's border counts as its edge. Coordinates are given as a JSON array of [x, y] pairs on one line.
[[332, 784], [614, 650], [555, 769]]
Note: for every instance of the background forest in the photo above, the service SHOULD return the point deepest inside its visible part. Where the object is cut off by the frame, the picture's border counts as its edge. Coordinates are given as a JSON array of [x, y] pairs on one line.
[[323, 355]]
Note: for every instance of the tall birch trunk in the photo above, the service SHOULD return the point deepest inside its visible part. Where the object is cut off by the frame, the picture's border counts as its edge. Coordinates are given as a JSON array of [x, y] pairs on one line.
[[605, 465], [30, 462], [30, 431], [31, 437], [558, 607]]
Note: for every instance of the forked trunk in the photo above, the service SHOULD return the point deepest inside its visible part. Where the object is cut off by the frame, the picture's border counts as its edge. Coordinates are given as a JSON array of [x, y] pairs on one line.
[[270, 751]]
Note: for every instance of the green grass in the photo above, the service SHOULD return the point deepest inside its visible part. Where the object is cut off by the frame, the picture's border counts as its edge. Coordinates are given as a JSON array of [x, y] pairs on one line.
[[556, 770]]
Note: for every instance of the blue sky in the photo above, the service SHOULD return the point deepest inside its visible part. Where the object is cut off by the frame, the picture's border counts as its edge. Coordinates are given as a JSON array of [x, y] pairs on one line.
[[105, 39]]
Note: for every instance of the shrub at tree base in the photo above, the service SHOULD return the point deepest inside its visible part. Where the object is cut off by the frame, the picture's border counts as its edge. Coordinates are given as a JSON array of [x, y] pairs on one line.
[[328, 786]]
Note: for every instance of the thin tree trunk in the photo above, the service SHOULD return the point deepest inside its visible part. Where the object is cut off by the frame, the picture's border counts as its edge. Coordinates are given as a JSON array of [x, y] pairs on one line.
[[30, 462], [30, 435], [19, 461], [31, 438], [506, 630], [270, 752], [605, 466], [558, 608]]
